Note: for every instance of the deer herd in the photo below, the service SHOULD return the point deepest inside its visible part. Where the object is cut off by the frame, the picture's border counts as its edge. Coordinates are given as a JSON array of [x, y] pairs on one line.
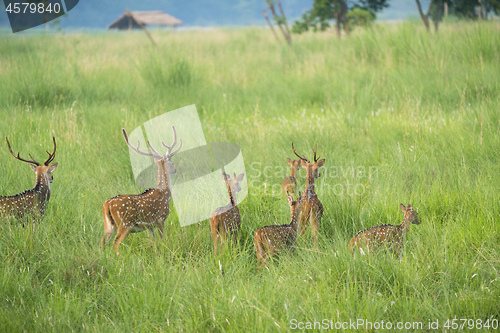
[[126, 214]]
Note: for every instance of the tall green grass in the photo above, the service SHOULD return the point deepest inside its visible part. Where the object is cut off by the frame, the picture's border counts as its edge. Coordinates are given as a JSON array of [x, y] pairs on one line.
[[401, 116]]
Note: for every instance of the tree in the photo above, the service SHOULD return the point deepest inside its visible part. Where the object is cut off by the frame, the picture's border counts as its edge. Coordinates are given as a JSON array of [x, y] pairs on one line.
[[461, 8], [279, 19], [472, 9], [360, 17], [324, 11], [435, 12]]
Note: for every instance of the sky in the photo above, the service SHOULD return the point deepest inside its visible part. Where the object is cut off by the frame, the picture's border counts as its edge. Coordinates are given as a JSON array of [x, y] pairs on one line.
[[98, 14]]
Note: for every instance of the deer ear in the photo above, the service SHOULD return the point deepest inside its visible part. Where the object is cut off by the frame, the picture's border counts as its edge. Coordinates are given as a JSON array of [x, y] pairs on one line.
[[52, 167], [288, 160], [33, 167], [290, 199], [320, 163], [409, 207], [303, 163], [403, 208], [240, 177], [224, 177]]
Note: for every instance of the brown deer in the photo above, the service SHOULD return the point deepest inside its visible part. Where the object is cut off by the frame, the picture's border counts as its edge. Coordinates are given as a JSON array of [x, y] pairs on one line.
[[225, 221], [31, 203], [290, 183], [312, 208], [135, 213], [390, 236], [275, 239]]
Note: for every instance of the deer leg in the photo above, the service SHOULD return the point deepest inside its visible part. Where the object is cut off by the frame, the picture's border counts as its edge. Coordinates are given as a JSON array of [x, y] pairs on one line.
[[303, 223], [235, 240], [161, 223], [215, 234], [109, 226], [151, 233], [315, 229], [222, 238], [261, 260], [33, 225], [120, 236], [258, 250], [264, 260], [396, 249], [234, 236]]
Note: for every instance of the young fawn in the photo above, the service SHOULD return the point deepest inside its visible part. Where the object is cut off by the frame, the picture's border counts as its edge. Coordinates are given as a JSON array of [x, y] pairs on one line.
[[31, 204], [225, 221], [390, 236], [275, 239], [312, 208], [135, 213], [289, 184]]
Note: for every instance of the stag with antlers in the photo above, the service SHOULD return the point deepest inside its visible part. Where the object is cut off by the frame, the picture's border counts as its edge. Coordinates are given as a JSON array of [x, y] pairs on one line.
[[312, 208], [31, 204], [145, 211], [225, 221]]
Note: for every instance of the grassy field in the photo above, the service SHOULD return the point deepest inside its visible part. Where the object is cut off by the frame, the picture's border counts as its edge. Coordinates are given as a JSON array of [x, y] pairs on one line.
[[401, 116]]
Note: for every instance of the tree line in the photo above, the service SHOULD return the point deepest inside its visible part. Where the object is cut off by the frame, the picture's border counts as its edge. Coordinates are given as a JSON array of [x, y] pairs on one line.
[[344, 15]]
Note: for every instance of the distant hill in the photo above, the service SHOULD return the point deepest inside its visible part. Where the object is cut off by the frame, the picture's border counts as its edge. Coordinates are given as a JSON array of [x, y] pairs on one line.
[[99, 14]]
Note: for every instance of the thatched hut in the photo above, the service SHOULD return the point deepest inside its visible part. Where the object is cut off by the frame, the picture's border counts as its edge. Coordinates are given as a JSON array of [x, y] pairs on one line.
[[134, 20]]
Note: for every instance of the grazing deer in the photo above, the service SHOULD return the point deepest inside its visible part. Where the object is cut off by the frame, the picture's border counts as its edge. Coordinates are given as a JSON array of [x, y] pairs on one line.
[[135, 213], [391, 236], [274, 239], [312, 208], [31, 203], [225, 221], [290, 183]]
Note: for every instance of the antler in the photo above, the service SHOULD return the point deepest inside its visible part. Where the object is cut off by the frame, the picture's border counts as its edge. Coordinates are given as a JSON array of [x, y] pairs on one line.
[[32, 161], [169, 148], [154, 153], [302, 158], [51, 155], [314, 151]]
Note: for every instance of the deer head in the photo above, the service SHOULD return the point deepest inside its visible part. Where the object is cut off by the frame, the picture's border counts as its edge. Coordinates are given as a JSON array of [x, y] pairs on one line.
[[295, 164], [311, 167], [43, 171], [234, 182], [159, 159], [410, 214], [294, 204]]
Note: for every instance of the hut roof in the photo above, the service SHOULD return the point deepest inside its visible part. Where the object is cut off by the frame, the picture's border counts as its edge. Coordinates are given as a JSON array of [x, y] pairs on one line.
[[153, 17]]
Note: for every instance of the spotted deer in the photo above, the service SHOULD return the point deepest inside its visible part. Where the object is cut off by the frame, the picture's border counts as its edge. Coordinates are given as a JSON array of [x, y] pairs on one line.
[[290, 183], [145, 211], [312, 208], [31, 204], [225, 221], [388, 235], [275, 239]]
